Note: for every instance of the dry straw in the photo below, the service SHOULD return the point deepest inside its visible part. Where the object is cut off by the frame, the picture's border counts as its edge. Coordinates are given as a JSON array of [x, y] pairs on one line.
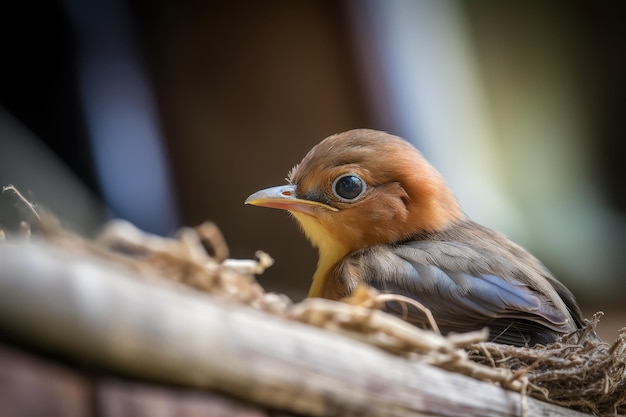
[[579, 371]]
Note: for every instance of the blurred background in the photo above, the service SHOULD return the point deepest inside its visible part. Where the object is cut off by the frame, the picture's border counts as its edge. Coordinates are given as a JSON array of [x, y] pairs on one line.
[[171, 113]]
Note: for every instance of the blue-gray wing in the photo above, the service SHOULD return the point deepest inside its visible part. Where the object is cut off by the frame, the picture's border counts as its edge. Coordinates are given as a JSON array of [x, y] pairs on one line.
[[464, 289]]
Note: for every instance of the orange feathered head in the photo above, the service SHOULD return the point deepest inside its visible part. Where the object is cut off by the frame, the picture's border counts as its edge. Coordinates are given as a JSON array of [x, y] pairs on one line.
[[362, 187]]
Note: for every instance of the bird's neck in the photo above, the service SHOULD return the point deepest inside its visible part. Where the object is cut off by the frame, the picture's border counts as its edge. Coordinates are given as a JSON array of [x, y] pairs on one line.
[[330, 249], [320, 287]]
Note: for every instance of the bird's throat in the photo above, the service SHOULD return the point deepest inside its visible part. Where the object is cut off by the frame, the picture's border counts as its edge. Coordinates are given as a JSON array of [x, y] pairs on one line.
[[330, 249]]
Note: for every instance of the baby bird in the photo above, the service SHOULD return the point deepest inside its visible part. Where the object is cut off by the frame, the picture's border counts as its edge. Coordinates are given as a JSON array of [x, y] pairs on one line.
[[380, 214]]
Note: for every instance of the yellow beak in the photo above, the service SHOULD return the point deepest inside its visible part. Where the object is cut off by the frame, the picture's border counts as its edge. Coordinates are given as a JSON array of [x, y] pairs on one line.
[[284, 197]]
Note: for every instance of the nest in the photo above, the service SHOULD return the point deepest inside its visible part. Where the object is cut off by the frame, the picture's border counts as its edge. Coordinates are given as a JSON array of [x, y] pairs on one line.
[[579, 371]]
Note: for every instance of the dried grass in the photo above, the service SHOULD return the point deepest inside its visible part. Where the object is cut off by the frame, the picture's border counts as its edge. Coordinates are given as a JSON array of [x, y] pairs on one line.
[[579, 371]]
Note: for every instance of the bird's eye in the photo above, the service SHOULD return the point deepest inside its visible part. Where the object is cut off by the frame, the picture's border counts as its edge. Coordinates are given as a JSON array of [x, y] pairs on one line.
[[348, 187]]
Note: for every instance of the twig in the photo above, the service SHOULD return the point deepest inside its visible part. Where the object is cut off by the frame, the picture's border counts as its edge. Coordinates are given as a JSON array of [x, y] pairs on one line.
[[31, 207]]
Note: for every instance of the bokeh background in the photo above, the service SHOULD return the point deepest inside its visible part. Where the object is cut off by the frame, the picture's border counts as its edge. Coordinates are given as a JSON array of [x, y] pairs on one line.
[[171, 113]]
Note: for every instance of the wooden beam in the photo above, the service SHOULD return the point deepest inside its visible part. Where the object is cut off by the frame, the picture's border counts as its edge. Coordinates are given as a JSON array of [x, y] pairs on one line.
[[100, 313], [30, 386], [121, 398]]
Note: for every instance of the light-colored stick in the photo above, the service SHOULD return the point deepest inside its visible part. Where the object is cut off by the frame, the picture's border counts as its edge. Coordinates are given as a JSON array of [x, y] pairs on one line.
[[98, 312]]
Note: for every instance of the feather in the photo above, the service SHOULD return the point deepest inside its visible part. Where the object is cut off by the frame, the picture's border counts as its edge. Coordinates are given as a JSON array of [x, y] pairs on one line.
[[469, 279], [404, 232]]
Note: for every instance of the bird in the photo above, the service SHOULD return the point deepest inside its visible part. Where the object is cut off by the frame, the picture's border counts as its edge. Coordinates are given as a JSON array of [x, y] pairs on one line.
[[380, 214]]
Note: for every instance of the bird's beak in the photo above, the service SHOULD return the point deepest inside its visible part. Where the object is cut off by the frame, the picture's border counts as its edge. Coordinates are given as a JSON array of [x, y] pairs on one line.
[[284, 197]]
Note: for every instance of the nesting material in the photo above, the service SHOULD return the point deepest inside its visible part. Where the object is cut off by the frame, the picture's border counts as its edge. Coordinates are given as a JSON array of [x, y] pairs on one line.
[[579, 371]]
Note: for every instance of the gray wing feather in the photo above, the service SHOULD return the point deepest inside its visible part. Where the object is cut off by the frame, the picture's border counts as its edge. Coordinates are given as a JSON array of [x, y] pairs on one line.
[[463, 288]]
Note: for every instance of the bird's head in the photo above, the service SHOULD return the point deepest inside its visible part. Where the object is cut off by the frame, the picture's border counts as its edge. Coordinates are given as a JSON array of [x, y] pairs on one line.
[[361, 188]]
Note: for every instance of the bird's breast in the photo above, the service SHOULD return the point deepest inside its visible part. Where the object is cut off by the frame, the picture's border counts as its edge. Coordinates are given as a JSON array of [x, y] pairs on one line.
[[331, 252]]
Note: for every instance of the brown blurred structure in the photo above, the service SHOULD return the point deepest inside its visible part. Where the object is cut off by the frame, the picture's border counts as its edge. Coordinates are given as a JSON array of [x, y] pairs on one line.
[[245, 90]]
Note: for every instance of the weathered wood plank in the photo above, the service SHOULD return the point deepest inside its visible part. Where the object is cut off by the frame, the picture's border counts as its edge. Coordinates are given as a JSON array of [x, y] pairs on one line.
[[101, 313], [119, 398], [31, 387]]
